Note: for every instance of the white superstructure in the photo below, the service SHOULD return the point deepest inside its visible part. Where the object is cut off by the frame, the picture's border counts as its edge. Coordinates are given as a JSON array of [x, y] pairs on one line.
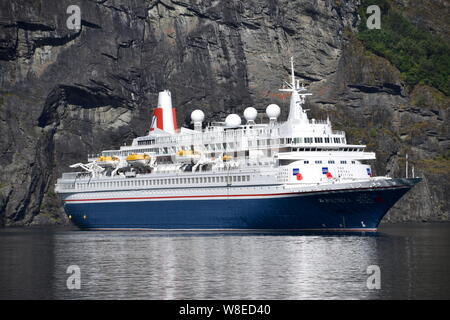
[[299, 152]]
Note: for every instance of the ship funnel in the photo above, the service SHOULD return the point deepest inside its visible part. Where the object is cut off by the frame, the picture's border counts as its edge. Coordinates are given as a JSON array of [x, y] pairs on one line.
[[164, 116]]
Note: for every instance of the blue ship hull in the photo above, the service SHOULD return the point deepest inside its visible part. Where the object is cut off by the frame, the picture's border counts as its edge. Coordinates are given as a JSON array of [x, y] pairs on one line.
[[345, 210]]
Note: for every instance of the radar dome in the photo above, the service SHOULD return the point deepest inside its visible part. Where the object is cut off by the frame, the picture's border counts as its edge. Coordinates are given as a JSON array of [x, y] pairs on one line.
[[273, 111], [250, 114], [197, 116], [232, 120]]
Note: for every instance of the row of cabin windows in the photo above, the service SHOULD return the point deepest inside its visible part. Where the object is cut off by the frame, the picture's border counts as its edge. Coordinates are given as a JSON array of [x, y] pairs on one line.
[[265, 141], [231, 145], [158, 182], [315, 140], [329, 162], [328, 149]]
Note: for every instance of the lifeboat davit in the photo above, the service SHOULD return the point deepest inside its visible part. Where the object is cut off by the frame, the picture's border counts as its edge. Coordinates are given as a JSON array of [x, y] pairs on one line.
[[138, 159], [107, 162]]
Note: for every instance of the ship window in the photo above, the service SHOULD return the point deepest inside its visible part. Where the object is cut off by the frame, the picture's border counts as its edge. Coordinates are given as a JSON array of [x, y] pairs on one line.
[[353, 162], [331, 161], [343, 161], [306, 162], [327, 140], [318, 161]]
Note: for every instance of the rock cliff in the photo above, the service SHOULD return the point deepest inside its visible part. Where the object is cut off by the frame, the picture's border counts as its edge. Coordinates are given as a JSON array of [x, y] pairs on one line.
[[68, 93]]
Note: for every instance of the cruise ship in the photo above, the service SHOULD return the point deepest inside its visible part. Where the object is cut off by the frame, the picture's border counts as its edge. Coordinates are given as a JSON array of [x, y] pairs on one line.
[[297, 174]]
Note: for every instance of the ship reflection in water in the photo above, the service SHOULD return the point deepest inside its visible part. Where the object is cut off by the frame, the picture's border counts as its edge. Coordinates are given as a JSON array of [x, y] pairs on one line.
[[414, 261]]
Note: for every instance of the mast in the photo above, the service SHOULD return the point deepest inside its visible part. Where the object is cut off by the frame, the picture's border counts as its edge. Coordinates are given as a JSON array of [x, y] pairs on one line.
[[406, 166], [292, 74], [296, 113]]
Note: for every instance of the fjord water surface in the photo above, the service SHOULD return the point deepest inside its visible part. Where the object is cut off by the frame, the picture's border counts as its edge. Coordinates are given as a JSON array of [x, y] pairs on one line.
[[414, 260]]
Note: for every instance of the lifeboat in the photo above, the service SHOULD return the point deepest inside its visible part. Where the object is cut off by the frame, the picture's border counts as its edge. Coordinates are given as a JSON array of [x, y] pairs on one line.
[[138, 159], [107, 162], [226, 158], [184, 156]]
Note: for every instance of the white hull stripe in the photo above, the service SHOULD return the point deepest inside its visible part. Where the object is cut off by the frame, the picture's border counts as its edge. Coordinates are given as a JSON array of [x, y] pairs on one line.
[[225, 197]]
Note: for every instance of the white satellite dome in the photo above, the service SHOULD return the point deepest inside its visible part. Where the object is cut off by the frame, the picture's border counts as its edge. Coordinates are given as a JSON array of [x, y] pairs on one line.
[[232, 120], [197, 116], [250, 114], [273, 111]]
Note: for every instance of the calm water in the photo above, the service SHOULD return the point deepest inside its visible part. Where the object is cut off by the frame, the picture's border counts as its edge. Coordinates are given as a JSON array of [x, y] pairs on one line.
[[414, 260]]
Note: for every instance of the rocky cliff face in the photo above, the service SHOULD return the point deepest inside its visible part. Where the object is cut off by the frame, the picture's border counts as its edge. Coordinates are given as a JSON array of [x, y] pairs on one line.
[[67, 93]]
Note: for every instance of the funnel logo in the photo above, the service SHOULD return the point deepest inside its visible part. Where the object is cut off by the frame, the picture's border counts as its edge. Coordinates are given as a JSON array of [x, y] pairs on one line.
[[165, 115], [153, 125]]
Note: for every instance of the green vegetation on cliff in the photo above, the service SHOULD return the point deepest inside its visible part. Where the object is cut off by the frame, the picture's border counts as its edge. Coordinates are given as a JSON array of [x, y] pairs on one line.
[[437, 165], [420, 56]]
